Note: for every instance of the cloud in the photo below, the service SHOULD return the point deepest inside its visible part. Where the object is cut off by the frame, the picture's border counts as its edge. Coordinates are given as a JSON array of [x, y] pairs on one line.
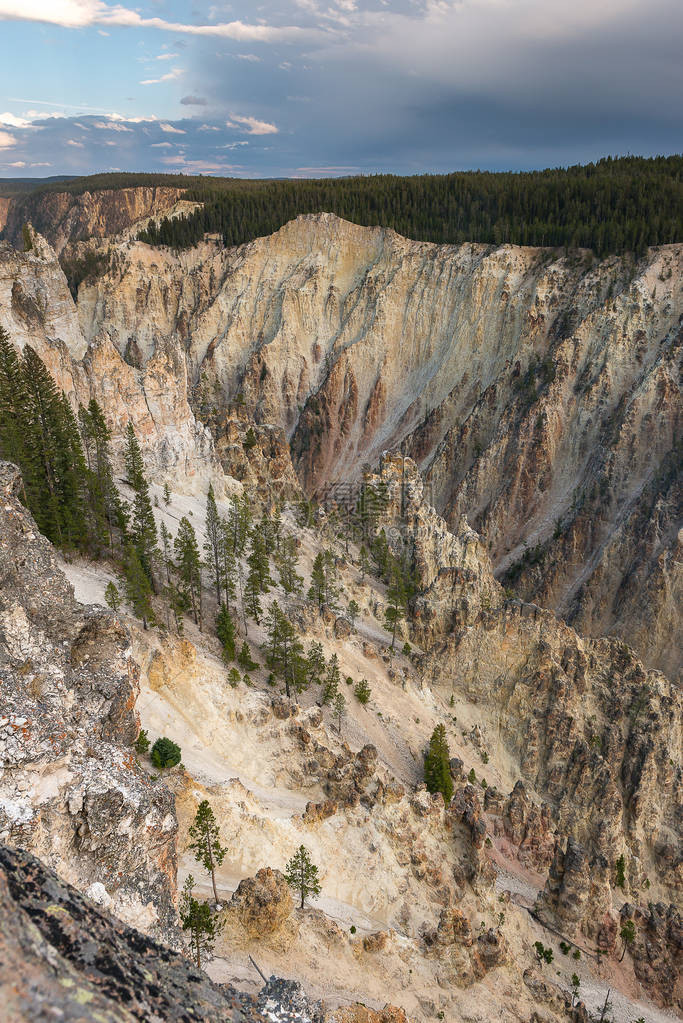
[[17, 163], [74, 142], [252, 126], [7, 140], [209, 127], [162, 145], [194, 101], [14, 122], [176, 72], [85, 13], [251, 57], [166, 56], [111, 126], [170, 130]]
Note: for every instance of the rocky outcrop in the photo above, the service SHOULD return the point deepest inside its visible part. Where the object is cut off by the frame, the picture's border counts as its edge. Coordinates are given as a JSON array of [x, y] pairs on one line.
[[657, 950], [529, 829], [467, 957], [577, 898], [70, 788], [259, 906], [61, 957], [596, 736]]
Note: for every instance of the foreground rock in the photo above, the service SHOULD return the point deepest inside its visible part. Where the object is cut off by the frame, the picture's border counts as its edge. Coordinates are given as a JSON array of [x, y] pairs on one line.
[[70, 787], [60, 957]]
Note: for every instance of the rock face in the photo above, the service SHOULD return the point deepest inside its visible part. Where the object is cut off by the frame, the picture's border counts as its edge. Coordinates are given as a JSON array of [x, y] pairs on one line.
[[657, 951], [260, 905], [467, 958], [60, 957], [577, 899], [70, 787], [595, 734], [36, 308], [539, 395]]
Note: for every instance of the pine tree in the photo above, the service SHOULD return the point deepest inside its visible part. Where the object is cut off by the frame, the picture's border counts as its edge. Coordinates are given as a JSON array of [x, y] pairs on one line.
[[362, 691], [13, 405], [316, 592], [285, 650], [99, 438], [205, 841], [332, 680], [196, 917], [252, 596], [290, 580], [225, 630], [239, 522], [166, 538], [143, 530], [229, 567], [437, 765], [315, 663], [258, 561], [396, 601], [112, 597], [213, 545], [353, 611], [302, 875], [138, 588], [244, 658], [338, 708], [188, 564], [135, 469]]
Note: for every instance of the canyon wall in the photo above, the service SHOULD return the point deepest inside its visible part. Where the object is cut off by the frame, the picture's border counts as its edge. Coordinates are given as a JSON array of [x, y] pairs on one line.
[[539, 393]]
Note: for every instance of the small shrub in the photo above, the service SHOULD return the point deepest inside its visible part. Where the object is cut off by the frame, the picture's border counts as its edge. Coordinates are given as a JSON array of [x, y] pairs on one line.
[[362, 691], [352, 928], [620, 875], [165, 753], [142, 742], [471, 777], [407, 649]]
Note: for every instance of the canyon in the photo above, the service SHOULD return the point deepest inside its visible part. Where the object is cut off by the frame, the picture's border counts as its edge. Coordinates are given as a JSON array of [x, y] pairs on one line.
[[519, 411]]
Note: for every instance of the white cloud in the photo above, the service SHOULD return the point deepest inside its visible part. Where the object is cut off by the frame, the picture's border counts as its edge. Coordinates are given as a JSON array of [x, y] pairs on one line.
[[7, 140], [162, 145], [251, 57], [111, 126], [252, 126], [167, 56], [84, 13], [14, 122], [17, 163], [170, 130], [210, 127], [73, 142], [233, 145], [176, 72]]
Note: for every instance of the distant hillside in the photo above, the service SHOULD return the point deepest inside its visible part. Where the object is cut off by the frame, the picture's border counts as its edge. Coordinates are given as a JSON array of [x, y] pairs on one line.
[[612, 206]]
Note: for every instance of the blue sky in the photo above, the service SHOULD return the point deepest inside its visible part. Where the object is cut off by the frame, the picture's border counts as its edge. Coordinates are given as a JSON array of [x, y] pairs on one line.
[[325, 87]]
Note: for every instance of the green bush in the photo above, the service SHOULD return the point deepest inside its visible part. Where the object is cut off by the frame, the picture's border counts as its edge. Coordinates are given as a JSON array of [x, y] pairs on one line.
[[142, 742], [165, 753]]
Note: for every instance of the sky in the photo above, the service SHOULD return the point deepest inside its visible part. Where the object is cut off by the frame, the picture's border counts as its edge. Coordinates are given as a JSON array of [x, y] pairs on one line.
[[312, 88]]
